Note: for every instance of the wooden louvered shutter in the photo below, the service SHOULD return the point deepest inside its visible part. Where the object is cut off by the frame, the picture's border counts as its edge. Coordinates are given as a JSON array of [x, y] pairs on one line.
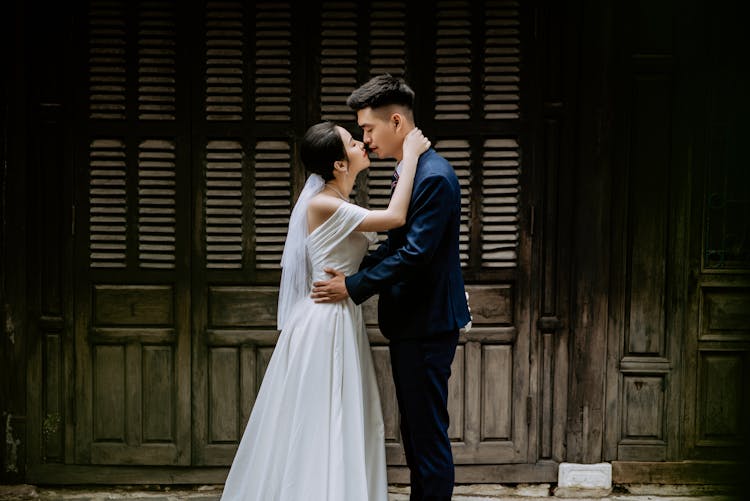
[[338, 59], [474, 122], [108, 212], [224, 204], [475, 116], [386, 53], [247, 175], [467, 65], [247, 182], [132, 289], [203, 134], [157, 214], [347, 59], [358, 41]]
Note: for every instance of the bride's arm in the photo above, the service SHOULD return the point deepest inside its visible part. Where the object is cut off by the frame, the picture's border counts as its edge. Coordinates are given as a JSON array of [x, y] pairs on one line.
[[395, 215]]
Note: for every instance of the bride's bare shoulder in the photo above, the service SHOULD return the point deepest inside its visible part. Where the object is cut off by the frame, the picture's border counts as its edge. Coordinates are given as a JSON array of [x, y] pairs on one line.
[[323, 204], [320, 208]]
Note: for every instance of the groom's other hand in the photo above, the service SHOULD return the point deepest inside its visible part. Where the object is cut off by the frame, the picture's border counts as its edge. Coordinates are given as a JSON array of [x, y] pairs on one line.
[[330, 291]]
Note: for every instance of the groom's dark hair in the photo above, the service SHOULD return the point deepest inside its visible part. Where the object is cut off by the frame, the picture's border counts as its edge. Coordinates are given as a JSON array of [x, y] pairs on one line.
[[381, 90]]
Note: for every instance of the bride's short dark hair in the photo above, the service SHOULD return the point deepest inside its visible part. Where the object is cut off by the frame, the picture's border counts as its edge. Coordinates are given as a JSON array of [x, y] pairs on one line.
[[321, 147]]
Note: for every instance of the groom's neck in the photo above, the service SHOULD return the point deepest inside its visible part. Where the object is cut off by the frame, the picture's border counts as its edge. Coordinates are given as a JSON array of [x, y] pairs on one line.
[[400, 153]]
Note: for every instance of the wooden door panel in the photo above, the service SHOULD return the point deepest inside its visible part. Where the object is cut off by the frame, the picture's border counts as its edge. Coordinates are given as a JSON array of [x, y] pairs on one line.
[[487, 391], [238, 345], [722, 381], [135, 398], [497, 382], [719, 417], [382, 362], [235, 374], [456, 395], [122, 305], [223, 400], [109, 393], [159, 404], [132, 260]]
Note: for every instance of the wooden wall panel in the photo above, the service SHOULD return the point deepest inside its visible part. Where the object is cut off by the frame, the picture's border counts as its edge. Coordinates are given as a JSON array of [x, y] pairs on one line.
[[158, 404], [242, 306], [644, 406], [497, 394], [643, 373], [725, 314], [647, 222], [716, 420], [109, 396], [133, 305], [53, 427], [457, 396], [382, 362], [37, 225], [223, 404], [553, 55], [722, 394]]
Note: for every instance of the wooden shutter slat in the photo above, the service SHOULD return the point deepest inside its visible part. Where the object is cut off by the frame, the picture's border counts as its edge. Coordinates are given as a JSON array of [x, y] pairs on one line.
[[156, 61], [453, 61], [458, 153], [387, 38], [107, 204], [272, 201], [501, 60], [224, 54], [499, 213], [224, 205], [338, 62], [157, 199], [273, 68], [107, 74]]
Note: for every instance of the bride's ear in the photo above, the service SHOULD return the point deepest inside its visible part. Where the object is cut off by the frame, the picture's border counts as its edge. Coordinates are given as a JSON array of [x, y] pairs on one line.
[[341, 166]]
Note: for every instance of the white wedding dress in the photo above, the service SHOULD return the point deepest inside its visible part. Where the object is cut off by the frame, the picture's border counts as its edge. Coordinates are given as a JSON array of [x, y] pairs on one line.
[[316, 430]]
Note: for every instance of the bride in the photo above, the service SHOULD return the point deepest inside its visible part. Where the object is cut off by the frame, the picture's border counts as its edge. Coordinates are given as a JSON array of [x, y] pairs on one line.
[[316, 430]]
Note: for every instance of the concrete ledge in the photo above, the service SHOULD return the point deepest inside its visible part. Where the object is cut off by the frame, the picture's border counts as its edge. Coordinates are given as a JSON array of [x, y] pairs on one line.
[[585, 476]]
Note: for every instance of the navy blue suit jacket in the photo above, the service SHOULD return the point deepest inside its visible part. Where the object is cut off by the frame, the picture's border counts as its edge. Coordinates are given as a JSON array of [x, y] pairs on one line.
[[417, 270]]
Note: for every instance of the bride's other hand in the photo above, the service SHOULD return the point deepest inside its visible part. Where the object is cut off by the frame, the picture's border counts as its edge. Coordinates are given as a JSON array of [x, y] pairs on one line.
[[415, 143]]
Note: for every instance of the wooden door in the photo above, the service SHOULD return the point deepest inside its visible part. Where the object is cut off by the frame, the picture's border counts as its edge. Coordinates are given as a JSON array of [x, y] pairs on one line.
[[132, 281], [717, 348], [186, 175], [680, 298], [463, 61]]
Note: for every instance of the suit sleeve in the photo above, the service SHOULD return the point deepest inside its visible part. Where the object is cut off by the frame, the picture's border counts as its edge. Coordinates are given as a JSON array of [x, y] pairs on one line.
[[428, 222], [376, 256]]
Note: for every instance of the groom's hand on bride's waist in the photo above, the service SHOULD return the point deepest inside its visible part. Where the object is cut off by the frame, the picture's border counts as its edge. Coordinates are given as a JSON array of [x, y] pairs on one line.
[[332, 290]]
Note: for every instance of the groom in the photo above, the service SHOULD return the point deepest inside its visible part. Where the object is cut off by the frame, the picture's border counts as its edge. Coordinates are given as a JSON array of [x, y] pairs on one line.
[[417, 273]]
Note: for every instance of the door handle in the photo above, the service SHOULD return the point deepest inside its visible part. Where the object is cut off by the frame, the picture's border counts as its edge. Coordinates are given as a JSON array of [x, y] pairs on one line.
[[549, 323]]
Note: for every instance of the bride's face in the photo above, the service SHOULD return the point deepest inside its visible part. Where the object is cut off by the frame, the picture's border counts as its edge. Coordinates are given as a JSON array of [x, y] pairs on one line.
[[356, 154]]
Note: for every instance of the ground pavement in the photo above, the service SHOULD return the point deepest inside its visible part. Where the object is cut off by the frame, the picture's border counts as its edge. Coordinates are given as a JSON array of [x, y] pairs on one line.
[[533, 492]]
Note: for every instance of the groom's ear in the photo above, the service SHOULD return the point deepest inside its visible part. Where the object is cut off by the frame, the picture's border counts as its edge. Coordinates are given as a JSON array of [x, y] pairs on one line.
[[396, 120]]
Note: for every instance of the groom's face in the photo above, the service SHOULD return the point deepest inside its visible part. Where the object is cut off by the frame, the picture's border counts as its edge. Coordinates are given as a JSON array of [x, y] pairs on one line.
[[380, 133]]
